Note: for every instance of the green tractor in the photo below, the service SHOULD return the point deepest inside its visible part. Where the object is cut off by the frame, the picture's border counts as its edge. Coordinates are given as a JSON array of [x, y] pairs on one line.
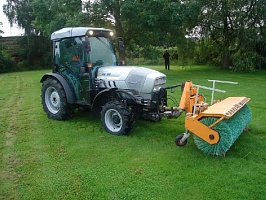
[[86, 73]]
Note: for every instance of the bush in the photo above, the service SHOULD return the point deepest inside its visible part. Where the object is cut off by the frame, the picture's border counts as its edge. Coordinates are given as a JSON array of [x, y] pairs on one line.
[[35, 52], [206, 53], [247, 61], [7, 63]]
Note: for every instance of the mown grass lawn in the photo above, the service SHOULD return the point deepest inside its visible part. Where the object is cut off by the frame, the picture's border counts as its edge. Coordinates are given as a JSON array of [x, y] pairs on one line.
[[76, 159]]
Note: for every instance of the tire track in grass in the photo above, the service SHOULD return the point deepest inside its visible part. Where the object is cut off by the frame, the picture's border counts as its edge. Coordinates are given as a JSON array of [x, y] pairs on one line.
[[9, 112]]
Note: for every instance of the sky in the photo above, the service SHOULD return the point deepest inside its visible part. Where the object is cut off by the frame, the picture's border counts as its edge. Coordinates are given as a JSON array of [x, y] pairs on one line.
[[14, 31]]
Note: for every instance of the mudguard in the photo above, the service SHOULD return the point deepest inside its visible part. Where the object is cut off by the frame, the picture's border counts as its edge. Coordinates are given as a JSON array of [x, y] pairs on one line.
[[115, 93], [62, 80]]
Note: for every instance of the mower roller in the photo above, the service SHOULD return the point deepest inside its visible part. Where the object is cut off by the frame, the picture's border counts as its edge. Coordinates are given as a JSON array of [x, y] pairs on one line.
[[215, 127]]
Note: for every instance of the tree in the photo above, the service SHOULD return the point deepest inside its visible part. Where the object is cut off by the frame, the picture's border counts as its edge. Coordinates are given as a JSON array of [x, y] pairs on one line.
[[145, 23], [31, 53], [56, 14], [107, 13], [1, 32], [19, 12], [156, 23], [42, 17], [233, 25]]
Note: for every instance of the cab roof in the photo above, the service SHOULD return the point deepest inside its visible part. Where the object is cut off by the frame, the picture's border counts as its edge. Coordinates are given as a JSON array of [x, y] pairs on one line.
[[75, 31]]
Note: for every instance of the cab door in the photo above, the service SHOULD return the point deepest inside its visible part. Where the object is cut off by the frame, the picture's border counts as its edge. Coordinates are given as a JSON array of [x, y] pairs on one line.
[[72, 62]]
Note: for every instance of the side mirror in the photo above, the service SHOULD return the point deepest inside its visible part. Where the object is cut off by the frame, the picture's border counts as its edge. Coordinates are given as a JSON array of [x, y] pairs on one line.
[[121, 45], [86, 46]]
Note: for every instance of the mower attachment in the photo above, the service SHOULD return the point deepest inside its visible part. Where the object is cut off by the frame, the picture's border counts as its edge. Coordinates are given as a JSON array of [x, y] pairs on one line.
[[215, 127]]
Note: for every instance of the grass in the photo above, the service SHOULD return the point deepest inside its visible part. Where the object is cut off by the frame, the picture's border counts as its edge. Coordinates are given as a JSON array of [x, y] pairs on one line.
[[76, 159]]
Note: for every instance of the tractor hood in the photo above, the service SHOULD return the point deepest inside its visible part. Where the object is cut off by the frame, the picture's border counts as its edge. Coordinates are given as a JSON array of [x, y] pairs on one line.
[[141, 79]]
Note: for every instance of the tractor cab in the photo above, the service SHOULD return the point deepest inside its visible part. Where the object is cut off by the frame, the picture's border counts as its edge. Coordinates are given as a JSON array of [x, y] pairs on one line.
[[78, 54]]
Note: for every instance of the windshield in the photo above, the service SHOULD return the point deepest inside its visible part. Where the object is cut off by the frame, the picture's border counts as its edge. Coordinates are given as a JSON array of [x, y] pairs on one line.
[[102, 52]]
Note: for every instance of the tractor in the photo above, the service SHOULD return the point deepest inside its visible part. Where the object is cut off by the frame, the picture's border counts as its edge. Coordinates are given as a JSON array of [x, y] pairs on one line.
[[87, 74]]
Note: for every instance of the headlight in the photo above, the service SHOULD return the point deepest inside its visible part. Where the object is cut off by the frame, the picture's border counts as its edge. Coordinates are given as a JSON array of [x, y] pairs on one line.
[[160, 81]]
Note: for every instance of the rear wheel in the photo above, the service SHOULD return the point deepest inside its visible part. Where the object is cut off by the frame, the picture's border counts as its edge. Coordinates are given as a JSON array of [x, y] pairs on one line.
[[116, 118], [54, 100]]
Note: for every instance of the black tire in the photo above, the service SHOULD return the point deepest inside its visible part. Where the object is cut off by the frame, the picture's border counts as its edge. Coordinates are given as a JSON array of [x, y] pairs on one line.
[[54, 100], [116, 118], [178, 141]]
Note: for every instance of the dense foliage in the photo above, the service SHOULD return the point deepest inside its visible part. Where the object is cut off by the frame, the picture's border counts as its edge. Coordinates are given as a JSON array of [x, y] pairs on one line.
[[227, 33], [235, 28], [6, 62], [35, 52]]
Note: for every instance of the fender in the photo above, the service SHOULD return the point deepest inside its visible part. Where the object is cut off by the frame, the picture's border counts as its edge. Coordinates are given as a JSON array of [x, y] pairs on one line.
[[62, 80], [117, 93], [97, 101]]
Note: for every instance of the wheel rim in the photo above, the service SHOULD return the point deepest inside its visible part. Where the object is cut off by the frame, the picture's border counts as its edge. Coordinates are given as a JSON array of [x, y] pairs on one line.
[[113, 120], [179, 141], [52, 100]]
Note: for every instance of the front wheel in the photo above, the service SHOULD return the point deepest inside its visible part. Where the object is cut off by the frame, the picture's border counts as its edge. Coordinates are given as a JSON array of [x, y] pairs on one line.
[[54, 100], [116, 118], [179, 142]]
